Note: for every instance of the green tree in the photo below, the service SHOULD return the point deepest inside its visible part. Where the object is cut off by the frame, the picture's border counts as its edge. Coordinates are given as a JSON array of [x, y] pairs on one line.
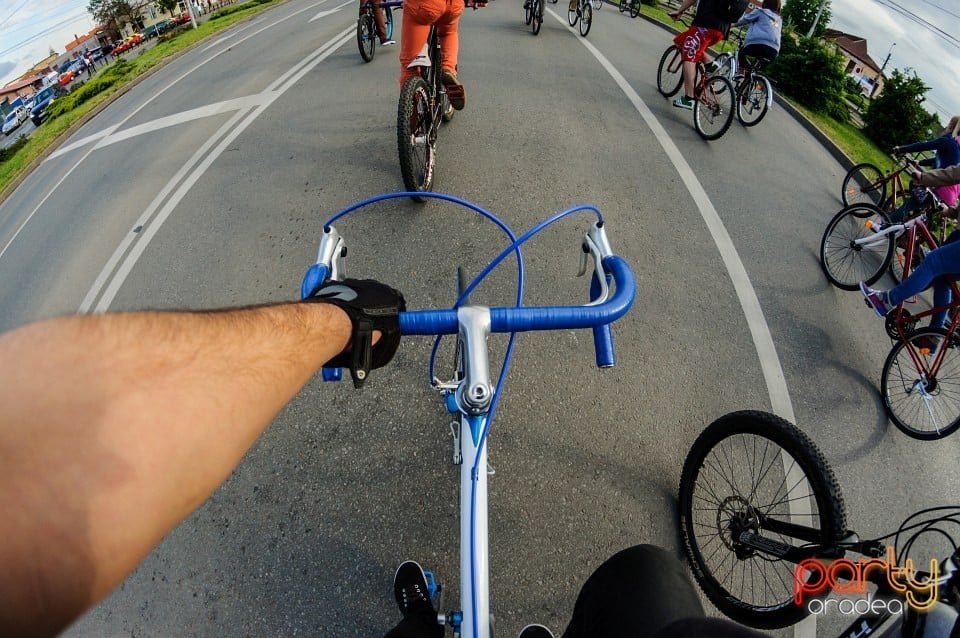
[[802, 13], [811, 73], [167, 5], [112, 14], [897, 116]]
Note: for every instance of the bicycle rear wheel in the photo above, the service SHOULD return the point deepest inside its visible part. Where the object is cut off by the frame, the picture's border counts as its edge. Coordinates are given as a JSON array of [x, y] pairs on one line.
[[846, 263], [388, 17], [923, 405], [864, 183], [670, 71], [586, 18], [752, 101], [746, 472], [537, 19], [634, 8], [414, 143], [713, 107], [366, 37]]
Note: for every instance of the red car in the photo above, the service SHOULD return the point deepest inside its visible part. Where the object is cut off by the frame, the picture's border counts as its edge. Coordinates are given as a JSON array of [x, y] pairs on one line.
[[183, 18], [121, 47], [66, 77]]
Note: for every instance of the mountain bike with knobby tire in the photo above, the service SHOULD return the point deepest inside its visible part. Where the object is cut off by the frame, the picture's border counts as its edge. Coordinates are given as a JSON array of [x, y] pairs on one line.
[[471, 394], [763, 522], [713, 101], [581, 12], [422, 109]]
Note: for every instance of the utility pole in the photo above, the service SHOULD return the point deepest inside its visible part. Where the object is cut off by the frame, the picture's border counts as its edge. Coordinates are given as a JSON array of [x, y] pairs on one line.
[[882, 67], [816, 19]]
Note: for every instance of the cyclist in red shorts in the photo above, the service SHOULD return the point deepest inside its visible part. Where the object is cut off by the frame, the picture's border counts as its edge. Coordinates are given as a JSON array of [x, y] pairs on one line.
[[707, 29]]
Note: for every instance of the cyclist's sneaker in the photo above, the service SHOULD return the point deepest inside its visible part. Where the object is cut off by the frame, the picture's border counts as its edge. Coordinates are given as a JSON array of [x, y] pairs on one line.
[[684, 102], [410, 590], [711, 67], [386, 43], [535, 631], [876, 299], [455, 92]]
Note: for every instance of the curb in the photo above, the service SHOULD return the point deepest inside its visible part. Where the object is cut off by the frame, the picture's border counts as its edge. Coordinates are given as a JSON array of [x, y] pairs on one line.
[[835, 151]]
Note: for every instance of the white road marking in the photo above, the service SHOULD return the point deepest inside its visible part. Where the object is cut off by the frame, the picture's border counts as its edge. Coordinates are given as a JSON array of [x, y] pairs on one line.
[[323, 14], [125, 257], [107, 137], [762, 339]]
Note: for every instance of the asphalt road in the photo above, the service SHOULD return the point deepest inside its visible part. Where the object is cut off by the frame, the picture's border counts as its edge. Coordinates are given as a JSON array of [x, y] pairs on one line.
[[208, 185]]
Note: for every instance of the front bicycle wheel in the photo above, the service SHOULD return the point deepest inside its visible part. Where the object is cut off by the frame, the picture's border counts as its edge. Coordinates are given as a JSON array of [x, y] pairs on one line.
[[752, 100], [847, 261], [864, 183], [725, 65], [414, 143], [713, 107], [537, 19], [923, 401], [747, 474], [366, 37], [586, 18], [670, 71]]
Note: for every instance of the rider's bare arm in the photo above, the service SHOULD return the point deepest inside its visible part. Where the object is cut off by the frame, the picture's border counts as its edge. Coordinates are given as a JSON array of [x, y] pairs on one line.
[[115, 427]]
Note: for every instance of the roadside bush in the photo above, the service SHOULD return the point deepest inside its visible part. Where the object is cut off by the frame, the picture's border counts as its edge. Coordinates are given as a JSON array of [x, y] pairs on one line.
[[170, 34], [811, 73], [10, 151], [113, 74]]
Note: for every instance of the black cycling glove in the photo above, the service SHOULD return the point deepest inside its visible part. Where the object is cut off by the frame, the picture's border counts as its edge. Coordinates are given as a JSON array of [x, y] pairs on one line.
[[371, 306]]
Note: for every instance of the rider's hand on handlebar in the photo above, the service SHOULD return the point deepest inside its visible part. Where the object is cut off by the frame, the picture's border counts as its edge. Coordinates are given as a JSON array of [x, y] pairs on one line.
[[675, 15], [371, 306]]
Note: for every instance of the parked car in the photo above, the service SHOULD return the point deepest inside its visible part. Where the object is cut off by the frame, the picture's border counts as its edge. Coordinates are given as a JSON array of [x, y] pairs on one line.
[[15, 118], [40, 103], [183, 18], [66, 77], [121, 47]]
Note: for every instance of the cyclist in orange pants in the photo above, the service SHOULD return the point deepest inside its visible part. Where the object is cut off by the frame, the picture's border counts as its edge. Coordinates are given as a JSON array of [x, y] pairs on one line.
[[418, 15]]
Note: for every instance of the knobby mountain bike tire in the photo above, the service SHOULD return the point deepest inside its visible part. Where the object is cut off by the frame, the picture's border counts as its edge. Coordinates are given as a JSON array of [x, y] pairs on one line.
[[366, 37], [846, 264], [753, 100], [670, 72], [586, 18], [745, 469], [417, 157], [864, 183], [924, 404], [713, 107], [537, 20]]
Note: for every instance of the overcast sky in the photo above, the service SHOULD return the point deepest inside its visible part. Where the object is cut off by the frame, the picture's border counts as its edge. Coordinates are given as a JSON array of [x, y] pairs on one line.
[[29, 28]]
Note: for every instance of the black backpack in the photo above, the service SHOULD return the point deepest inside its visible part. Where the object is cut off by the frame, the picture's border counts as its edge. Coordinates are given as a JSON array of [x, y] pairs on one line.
[[733, 10]]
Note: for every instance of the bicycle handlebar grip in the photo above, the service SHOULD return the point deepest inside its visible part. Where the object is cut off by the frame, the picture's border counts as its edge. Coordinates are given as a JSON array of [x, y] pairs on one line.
[[602, 334]]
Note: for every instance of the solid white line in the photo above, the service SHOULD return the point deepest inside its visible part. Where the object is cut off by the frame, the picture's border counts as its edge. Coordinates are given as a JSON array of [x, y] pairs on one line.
[[131, 249], [762, 339]]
